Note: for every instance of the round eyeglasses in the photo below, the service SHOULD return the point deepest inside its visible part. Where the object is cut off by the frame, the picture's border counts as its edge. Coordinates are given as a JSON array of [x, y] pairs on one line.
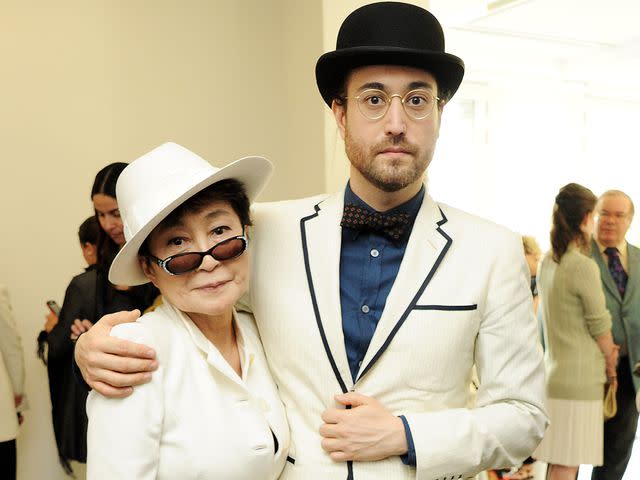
[[374, 103], [189, 261]]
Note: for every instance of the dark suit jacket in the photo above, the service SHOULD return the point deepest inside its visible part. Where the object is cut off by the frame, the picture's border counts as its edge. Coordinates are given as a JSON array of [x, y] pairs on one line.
[[625, 313]]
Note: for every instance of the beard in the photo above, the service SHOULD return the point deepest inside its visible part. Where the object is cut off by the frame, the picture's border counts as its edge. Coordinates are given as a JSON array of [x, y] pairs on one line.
[[387, 175]]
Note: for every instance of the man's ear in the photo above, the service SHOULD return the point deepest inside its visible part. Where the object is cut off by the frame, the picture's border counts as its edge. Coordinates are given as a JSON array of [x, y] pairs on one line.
[[340, 114]]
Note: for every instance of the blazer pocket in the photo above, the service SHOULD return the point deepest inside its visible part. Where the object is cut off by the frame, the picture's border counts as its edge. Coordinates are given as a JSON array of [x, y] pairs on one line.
[[447, 308], [448, 334]]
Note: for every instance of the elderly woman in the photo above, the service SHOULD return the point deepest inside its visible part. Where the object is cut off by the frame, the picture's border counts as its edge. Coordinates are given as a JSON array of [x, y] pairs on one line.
[[211, 410]]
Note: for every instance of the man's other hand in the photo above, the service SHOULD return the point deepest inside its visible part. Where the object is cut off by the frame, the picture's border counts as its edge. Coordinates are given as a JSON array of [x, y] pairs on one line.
[[365, 432]]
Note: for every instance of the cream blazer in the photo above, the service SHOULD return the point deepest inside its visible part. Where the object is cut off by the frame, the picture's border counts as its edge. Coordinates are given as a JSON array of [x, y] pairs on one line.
[[196, 419], [461, 298], [11, 368]]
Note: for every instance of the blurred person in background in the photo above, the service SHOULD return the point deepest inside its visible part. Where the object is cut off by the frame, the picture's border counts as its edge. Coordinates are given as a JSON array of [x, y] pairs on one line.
[[68, 399], [111, 298], [12, 399], [532, 254], [619, 264], [580, 353]]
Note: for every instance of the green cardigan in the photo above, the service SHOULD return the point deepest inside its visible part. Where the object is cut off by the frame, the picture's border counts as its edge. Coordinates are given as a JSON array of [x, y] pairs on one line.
[[574, 314]]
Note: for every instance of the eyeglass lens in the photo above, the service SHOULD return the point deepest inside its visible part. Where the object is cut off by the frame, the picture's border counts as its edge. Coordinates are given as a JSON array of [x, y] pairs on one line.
[[225, 250], [417, 104]]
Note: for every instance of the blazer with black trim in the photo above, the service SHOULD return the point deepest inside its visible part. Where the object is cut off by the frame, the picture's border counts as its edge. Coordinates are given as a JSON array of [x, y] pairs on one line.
[[461, 297]]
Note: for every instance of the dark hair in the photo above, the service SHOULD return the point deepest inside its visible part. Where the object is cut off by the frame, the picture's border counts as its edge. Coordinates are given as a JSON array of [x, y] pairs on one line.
[[89, 231], [105, 183], [231, 191], [572, 203]]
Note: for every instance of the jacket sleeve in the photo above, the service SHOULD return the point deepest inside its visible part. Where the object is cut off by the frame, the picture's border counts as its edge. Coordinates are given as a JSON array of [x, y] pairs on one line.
[[509, 419], [10, 344], [587, 285], [123, 435]]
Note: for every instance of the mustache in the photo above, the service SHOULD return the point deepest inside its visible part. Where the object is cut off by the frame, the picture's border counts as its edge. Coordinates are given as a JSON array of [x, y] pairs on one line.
[[398, 141]]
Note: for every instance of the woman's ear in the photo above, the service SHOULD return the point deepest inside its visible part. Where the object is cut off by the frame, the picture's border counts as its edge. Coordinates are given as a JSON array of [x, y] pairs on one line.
[[147, 268]]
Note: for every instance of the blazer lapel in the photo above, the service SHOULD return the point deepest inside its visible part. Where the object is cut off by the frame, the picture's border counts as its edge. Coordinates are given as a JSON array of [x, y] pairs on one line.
[[321, 245], [425, 251], [607, 279]]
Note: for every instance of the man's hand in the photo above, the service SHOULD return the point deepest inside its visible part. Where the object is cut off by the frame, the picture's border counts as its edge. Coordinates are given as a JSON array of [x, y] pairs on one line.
[[110, 365], [366, 432]]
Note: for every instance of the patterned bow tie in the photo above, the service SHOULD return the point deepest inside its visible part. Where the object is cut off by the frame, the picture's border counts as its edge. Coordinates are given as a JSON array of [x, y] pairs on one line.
[[391, 225], [620, 277]]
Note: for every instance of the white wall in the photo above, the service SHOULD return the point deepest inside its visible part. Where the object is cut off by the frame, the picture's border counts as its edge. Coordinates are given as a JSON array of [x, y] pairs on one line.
[[509, 143]]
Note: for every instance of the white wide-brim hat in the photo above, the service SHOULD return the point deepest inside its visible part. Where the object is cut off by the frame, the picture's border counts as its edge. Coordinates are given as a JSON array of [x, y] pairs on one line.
[[155, 184]]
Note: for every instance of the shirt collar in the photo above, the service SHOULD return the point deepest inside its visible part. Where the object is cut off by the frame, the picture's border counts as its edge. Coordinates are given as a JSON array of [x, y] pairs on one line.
[[622, 250], [622, 246], [410, 207]]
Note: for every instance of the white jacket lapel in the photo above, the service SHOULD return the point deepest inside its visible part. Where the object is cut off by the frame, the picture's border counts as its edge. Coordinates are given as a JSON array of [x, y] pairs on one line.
[[426, 248], [321, 244]]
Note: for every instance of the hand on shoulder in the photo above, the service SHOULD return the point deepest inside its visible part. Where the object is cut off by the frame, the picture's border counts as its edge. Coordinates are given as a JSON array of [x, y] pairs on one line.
[[112, 365]]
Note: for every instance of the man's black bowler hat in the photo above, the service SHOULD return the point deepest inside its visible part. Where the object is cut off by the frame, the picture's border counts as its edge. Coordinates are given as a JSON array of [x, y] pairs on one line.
[[389, 33]]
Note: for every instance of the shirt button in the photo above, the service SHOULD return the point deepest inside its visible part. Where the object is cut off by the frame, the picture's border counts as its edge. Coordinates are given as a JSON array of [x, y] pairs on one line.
[[374, 253], [365, 309]]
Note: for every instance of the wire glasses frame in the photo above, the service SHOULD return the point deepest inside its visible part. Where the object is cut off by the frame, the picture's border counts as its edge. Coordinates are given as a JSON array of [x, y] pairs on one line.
[[182, 263], [374, 104]]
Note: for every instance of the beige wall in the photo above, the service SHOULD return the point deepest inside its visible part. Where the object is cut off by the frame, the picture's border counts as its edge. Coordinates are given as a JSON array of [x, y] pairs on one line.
[[87, 82]]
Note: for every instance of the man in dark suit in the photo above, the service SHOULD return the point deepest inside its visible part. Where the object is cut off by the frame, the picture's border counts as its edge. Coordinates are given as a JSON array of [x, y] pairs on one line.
[[619, 264]]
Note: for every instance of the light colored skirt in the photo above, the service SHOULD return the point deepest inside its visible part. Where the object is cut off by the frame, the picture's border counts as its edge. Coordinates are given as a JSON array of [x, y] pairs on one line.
[[575, 434]]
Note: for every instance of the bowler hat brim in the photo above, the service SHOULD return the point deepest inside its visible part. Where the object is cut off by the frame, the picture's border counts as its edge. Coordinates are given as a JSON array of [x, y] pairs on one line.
[[333, 67]]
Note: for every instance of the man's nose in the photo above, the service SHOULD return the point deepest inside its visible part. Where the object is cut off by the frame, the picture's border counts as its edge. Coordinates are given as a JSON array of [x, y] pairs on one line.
[[396, 118]]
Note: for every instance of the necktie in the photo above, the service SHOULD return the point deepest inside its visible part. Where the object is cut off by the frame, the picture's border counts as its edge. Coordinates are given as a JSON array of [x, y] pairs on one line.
[[391, 225], [615, 267]]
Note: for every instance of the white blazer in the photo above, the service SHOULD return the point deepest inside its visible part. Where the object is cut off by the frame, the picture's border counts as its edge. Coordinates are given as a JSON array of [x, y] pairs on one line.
[[461, 298], [196, 419], [11, 368]]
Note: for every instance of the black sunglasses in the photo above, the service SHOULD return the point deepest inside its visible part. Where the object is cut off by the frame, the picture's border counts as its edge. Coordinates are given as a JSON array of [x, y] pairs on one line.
[[188, 262]]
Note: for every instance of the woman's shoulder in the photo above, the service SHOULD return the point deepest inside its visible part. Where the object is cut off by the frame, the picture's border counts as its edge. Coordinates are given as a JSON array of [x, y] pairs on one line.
[[85, 280], [154, 329], [576, 259], [580, 270]]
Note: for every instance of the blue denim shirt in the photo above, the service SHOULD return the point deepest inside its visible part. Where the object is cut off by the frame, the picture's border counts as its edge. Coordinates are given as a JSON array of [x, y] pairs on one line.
[[369, 264]]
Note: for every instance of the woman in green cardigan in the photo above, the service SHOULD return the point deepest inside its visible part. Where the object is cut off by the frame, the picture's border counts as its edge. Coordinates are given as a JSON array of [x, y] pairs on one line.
[[580, 353]]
